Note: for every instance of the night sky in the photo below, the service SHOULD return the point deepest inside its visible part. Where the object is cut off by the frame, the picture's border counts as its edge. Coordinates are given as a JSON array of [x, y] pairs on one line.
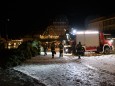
[[21, 18]]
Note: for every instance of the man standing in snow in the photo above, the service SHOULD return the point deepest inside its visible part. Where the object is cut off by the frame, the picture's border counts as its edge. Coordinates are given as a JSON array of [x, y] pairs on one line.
[[61, 49], [53, 49], [79, 50], [45, 49]]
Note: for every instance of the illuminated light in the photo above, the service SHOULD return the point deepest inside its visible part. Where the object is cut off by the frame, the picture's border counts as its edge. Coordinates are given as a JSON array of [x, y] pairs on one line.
[[17, 40], [91, 32], [9, 47], [67, 34], [49, 36], [111, 40], [14, 44], [80, 32], [74, 32], [87, 32], [9, 43], [66, 50]]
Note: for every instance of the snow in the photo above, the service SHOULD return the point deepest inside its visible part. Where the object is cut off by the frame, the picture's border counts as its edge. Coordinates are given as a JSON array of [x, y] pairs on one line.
[[70, 71], [103, 62], [10, 77]]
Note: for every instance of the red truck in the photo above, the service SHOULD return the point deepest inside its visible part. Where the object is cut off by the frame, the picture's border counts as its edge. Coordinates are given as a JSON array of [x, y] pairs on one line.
[[95, 41]]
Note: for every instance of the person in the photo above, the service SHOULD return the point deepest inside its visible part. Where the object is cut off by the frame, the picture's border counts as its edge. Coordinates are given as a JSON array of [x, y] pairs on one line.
[[53, 49], [79, 50], [73, 48], [45, 47], [61, 49]]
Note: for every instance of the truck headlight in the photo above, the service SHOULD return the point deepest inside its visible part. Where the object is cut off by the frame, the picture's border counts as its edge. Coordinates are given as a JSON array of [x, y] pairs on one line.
[[111, 40]]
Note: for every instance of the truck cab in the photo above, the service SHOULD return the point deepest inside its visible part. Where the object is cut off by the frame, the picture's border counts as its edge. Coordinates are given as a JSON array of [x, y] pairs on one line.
[[106, 43]]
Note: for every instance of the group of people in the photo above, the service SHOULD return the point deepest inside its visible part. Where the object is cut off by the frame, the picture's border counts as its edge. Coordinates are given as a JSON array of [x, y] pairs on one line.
[[61, 46], [45, 47]]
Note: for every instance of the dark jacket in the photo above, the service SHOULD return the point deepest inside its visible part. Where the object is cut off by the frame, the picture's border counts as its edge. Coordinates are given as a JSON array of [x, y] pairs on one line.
[[52, 47], [79, 47], [61, 47]]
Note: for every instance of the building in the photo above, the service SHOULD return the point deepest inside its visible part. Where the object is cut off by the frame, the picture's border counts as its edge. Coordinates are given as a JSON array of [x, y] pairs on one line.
[[105, 24], [14, 43], [56, 29], [60, 25], [55, 32]]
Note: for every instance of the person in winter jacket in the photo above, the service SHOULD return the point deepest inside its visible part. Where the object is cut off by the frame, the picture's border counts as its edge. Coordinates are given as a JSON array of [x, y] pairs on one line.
[[53, 49], [79, 50], [61, 49], [45, 49]]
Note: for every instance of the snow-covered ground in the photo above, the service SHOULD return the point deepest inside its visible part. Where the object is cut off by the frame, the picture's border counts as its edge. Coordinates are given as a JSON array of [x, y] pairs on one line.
[[103, 62], [10, 77], [71, 71]]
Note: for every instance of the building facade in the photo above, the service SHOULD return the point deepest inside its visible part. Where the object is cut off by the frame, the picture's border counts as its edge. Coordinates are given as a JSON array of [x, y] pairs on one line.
[[55, 32], [105, 24], [56, 29]]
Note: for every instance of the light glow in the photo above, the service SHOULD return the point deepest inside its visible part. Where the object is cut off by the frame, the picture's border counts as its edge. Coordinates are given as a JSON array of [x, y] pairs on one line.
[[87, 32], [111, 40], [66, 50], [80, 32], [74, 32], [91, 32]]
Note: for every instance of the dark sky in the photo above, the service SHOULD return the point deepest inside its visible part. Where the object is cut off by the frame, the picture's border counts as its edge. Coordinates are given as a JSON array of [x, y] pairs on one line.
[[33, 17]]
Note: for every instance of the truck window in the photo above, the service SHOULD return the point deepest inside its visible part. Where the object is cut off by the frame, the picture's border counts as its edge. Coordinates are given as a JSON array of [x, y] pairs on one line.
[[107, 36]]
